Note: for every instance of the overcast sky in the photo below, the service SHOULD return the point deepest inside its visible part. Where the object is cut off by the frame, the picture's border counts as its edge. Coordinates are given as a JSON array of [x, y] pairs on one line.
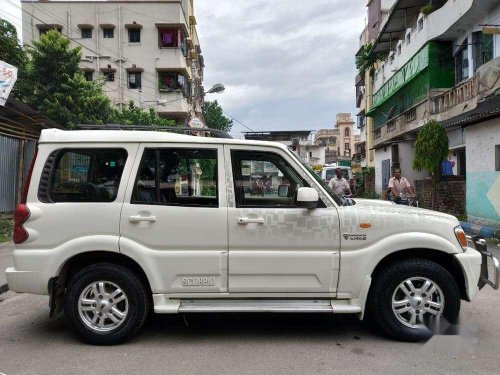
[[286, 64]]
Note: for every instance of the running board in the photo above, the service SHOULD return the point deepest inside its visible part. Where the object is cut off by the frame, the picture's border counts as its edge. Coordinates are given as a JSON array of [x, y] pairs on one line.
[[278, 306]]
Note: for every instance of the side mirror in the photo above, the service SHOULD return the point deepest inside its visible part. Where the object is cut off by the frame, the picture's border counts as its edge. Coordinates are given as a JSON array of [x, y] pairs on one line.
[[283, 191], [307, 198]]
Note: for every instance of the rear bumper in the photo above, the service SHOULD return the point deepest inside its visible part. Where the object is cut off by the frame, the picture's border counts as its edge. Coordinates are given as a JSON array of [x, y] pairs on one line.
[[26, 281]]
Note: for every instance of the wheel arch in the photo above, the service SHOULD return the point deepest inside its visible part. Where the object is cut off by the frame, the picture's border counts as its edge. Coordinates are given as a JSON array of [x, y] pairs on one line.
[[446, 260]]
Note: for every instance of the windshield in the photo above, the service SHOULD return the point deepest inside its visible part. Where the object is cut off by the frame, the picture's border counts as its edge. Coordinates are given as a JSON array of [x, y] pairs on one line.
[[339, 200]]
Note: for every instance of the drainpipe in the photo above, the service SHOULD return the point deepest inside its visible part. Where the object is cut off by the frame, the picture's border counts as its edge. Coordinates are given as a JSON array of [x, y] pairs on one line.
[[120, 53], [97, 38], [68, 21]]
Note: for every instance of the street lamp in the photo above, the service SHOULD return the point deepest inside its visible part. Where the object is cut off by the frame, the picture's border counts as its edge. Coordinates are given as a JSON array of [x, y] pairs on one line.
[[217, 88]]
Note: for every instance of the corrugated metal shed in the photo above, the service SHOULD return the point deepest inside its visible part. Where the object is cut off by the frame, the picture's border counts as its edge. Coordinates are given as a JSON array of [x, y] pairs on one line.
[[9, 162]]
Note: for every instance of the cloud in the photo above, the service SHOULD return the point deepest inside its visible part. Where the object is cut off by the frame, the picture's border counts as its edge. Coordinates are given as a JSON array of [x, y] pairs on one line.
[[284, 63]]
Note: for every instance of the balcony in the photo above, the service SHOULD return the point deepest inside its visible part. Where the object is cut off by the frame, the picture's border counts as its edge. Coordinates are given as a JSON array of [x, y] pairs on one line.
[[460, 94]]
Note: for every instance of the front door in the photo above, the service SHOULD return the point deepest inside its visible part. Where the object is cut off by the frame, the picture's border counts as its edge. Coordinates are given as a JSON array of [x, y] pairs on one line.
[[174, 218], [274, 246]]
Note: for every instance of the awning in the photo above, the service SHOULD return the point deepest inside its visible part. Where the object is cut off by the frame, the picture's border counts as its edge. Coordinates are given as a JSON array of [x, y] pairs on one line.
[[85, 26], [49, 26], [134, 70], [108, 70], [107, 26], [133, 26], [485, 110]]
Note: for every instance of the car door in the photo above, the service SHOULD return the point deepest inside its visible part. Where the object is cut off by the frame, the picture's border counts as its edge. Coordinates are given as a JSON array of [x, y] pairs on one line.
[[174, 218], [274, 246]]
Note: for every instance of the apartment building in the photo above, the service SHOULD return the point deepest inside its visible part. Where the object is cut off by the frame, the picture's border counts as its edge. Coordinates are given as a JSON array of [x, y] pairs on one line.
[[147, 51], [340, 141], [442, 63], [299, 141]]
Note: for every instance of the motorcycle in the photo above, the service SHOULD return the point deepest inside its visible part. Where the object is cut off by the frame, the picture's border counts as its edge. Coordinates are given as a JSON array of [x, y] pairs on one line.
[[406, 200]]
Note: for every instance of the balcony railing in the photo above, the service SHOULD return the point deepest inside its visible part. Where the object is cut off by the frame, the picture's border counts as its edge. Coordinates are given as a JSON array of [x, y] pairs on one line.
[[457, 95]]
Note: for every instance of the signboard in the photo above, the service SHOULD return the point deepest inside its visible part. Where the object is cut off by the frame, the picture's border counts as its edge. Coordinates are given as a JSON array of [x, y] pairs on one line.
[[196, 123], [418, 63], [8, 77]]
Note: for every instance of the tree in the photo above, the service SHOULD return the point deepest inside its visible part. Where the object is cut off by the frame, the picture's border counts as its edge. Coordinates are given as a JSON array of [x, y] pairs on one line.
[[431, 148], [53, 64], [215, 118], [10, 50], [133, 115], [13, 53], [78, 101]]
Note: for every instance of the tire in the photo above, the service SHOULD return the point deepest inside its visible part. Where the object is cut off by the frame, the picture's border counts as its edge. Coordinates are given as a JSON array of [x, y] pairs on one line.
[[90, 292], [423, 310]]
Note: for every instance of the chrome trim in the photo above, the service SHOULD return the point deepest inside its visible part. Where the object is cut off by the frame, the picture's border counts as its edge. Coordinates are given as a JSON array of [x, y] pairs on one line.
[[484, 279]]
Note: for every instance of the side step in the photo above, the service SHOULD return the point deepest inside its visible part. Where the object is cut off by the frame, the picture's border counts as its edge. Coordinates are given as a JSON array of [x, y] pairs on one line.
[[278, 306]]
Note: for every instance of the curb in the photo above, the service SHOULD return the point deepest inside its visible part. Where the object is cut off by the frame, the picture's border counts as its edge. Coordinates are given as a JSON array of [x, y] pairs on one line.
[[487, 232], [4, 288]]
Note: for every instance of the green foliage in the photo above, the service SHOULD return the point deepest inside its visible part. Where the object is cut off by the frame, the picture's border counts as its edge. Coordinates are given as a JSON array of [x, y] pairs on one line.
[[367, 59], [78, 101], [6, 227], [13, 53], [133, 115], [214, 117], [53, 63], [427, 9], [10, 50], [431, 148]]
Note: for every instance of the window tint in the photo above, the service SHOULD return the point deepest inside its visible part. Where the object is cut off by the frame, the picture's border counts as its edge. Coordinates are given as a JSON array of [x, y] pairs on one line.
[[264, 179], [86, 175], [177, 177]]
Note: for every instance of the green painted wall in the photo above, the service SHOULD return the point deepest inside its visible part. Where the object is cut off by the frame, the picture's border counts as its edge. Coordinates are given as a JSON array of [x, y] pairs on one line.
[[431, 67]]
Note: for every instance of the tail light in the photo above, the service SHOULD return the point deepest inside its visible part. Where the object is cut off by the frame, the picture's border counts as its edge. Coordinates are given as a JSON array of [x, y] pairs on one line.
[[22, 213]]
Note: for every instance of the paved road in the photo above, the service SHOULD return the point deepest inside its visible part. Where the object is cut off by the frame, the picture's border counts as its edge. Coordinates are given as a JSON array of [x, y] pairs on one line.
[[30, 343]]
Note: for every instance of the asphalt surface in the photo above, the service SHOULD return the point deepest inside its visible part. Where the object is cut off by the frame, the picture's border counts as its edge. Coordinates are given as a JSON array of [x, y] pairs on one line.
[[31, 343]]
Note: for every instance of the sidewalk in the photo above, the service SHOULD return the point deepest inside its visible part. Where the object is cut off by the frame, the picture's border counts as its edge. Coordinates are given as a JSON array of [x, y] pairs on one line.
[[487, 232], [6, 259]]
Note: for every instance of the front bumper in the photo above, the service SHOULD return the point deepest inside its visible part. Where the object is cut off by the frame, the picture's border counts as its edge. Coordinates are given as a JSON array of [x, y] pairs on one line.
[[486, 257]]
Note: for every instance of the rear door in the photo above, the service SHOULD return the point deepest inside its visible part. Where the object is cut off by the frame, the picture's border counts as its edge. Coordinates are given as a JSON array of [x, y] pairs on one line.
[[275, 246], [174, 218]]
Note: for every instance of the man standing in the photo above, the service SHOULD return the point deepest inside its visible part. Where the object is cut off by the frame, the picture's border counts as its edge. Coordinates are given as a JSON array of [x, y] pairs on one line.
[[399, 186], [339, 184]]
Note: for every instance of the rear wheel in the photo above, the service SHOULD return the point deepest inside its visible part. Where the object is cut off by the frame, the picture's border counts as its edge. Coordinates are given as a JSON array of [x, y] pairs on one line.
[[106, 303], [410, 296]]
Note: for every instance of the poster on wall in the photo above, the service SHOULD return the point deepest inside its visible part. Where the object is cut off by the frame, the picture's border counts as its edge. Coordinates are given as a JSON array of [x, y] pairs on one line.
[[8, 77]]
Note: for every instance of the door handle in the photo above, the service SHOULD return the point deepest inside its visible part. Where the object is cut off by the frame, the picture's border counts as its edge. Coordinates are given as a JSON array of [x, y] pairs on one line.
[[138, 218], [246, 220]]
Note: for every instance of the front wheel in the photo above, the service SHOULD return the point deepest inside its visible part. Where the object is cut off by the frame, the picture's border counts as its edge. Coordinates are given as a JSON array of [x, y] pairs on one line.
[[409, 296], [106, 303]]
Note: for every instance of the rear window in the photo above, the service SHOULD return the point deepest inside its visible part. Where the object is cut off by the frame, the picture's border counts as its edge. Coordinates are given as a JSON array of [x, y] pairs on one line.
[[82, 175]]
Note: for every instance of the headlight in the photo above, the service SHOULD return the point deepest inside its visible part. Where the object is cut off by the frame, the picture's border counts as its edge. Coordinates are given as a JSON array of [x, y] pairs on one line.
[[462, 239]]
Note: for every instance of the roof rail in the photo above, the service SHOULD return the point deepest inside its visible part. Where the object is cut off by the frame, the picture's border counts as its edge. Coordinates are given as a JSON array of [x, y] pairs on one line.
[[215, 133]]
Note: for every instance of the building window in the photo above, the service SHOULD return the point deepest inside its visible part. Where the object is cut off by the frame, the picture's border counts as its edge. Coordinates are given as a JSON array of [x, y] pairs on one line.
[[347, 147], [420, 23], [168, 38], [89, 75], [408, 37], [46, 29], [462, 63], [134, 80], [170, 81], [347, 132], [108, 33], [109, 76], [86, 33], [399, 48], [482, 48], [134, 35]]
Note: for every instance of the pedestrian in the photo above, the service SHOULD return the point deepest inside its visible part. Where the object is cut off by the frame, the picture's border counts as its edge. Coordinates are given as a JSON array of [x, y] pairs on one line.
[[339, 184]]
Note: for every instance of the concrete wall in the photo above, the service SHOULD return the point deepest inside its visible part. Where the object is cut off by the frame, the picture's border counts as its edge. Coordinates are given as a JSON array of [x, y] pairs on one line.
[[380, 155], [483, 181], [406, 150]]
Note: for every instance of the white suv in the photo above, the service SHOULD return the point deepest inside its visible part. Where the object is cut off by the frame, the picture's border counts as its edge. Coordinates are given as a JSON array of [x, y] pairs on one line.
[[115, 224]]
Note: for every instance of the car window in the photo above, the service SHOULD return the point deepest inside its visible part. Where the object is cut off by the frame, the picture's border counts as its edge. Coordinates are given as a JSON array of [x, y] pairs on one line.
[[83, 175], [177, 177], [264, 179]]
